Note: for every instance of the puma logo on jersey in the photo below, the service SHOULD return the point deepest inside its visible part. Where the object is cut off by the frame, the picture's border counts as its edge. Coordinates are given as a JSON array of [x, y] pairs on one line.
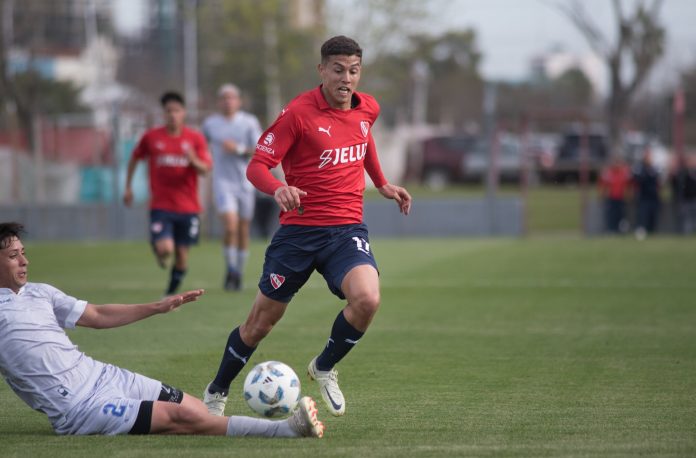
[[344, 155], [327, 131]]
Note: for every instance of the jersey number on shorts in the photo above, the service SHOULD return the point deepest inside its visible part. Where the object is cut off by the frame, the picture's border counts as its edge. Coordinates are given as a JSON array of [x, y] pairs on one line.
[[115, 411], [363, 245]]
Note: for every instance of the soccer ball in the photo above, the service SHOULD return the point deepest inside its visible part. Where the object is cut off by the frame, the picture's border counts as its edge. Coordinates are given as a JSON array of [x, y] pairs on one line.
[[272, 389]]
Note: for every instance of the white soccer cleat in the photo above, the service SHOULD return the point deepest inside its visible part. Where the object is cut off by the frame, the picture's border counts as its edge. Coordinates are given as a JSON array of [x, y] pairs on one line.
[[214, 402], [304, 419], [328, 385]]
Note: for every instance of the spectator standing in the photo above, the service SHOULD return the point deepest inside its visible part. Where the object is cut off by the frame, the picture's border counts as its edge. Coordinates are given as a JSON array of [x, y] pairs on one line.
[[614, 184], [647, 196], [683, 183]]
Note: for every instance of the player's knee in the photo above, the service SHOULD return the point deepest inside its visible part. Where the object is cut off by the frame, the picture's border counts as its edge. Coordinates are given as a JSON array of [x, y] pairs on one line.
[[164, 251], [230, 231], [366, 303], [189, 418]]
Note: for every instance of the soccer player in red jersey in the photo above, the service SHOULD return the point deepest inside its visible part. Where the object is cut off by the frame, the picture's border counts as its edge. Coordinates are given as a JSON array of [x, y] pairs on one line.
[[323, 141], [176, 155]]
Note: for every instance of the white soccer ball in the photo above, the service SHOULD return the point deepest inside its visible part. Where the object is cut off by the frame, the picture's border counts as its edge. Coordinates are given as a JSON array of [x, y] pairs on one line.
[[272, 389]]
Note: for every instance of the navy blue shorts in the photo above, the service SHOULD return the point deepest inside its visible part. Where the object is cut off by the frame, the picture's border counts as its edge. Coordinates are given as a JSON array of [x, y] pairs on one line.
[[296, 251], [183, 228]]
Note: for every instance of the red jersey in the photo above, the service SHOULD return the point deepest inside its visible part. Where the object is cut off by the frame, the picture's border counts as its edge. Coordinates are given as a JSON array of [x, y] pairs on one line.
[[173, 180], [615, 181], [324, 152]]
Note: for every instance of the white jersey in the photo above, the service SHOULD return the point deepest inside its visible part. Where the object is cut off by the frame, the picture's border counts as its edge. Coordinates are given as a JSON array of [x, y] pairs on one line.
[[229, 170], [37, 359]]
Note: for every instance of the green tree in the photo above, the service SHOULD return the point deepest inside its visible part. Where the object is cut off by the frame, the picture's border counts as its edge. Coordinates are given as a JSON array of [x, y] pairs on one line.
[[256, 45], [564, 96], [454, 86], [572, 89], [35, 25]]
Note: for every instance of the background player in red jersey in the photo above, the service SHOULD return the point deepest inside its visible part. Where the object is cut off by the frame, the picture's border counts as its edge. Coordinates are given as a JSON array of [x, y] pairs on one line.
[[323, 140], [176, 155]]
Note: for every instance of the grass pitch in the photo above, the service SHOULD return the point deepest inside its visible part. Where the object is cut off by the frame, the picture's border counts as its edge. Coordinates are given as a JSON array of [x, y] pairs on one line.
[[567, 347]]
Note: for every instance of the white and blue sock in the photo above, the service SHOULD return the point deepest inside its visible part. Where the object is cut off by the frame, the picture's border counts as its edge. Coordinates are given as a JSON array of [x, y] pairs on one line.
[[259, 427]]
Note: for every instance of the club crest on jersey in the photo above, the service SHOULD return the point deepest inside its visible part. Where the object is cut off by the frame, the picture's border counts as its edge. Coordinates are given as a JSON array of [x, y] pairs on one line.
[[277, 280], [364, 128]]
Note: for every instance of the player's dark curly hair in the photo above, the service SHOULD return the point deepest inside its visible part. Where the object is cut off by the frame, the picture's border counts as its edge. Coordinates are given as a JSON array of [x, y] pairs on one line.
[[9, 231], [171, 96], [340, 46]]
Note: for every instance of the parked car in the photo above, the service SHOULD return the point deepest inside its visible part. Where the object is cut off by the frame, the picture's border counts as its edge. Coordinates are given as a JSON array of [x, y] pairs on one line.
[[508, 161], [566, 165], [437, 162], [465, 158]]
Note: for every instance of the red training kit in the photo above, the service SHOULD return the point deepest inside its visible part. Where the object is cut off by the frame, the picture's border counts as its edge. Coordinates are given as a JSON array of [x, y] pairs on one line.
[[173, 180], [324, 152]]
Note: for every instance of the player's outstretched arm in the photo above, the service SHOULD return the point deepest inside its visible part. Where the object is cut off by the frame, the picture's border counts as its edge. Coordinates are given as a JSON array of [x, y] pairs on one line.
[[399, 194], [115, 315]]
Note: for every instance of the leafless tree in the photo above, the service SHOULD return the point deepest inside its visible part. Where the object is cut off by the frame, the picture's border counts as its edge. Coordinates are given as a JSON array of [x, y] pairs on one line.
[[638, 46]]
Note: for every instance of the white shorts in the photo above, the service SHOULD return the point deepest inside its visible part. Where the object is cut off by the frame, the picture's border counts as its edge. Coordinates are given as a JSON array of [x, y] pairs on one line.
[[232, 199], [113, 406]]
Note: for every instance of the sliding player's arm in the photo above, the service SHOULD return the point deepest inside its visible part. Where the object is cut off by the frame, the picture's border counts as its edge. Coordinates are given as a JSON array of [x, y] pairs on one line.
[[115, 315]]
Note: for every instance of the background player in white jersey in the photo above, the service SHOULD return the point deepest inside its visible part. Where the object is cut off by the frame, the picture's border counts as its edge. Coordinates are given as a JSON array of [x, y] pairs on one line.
[[83, 396], [232, 135]]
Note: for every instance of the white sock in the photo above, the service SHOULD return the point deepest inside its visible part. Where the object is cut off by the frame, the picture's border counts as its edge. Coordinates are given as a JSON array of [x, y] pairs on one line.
[[259, 427], [231, 254], [242, 257]]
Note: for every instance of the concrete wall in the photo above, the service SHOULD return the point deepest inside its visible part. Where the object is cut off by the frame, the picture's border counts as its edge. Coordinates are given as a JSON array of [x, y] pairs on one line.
[[429, 218]]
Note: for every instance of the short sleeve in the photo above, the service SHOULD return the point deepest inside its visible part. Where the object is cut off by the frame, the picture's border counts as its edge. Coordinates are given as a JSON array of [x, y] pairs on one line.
[[67, 309], [141, 150], [202, 149]]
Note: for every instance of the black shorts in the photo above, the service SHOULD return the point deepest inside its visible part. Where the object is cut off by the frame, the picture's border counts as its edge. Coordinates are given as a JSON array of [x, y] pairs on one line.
[[143, 421], [183, 228], [296, 251]]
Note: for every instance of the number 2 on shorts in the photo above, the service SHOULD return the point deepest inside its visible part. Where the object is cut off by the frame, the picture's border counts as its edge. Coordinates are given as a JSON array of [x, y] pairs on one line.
[[115, 411]]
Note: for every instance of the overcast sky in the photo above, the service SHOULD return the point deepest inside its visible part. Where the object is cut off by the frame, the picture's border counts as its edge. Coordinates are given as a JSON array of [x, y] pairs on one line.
[[511, 32]]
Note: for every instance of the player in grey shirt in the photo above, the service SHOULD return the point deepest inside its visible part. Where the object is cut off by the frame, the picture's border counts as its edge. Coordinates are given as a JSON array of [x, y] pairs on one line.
[[232, 135], [83, 396]]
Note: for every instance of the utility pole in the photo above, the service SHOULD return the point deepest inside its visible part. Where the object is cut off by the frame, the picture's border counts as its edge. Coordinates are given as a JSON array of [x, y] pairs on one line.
[[191, 58], [420, 72], [270, 64]]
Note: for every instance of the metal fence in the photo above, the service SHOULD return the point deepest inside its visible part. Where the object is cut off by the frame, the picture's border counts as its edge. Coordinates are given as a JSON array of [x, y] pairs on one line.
[[68, 186]]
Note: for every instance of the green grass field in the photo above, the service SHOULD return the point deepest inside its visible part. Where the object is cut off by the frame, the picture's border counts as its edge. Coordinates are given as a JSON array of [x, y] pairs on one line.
[[560, 347]]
